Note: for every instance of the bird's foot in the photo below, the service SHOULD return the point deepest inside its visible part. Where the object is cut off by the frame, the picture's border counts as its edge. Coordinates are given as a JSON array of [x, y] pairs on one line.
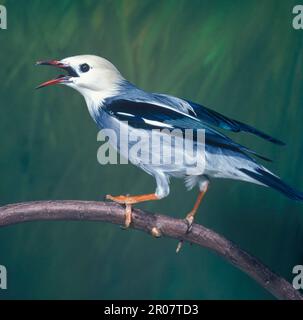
[[189, 220], [129, 200], [128, 208]]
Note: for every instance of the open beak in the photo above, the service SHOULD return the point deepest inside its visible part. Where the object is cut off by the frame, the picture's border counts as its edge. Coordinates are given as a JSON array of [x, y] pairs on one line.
[[61, 78]]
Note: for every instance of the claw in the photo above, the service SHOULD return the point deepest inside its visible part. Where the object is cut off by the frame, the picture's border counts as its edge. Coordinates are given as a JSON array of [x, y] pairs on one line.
[[108, 197], [179, 246], [128, 216], [128, 208], [155, 232], [189, 221], [128, 201]]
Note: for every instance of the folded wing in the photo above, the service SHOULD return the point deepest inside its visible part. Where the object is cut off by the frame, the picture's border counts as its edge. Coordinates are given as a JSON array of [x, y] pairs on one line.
[[216, 119], [150, 115]]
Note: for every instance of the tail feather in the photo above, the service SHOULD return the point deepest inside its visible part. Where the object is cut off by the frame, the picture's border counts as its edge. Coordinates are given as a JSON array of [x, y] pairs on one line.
[[274, 182]]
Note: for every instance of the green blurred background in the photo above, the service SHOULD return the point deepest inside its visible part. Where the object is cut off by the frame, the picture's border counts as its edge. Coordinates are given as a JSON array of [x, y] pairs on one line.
[[242, 58]]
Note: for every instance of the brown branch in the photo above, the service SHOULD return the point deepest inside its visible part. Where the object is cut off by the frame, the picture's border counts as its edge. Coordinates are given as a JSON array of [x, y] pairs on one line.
[[168, 226]]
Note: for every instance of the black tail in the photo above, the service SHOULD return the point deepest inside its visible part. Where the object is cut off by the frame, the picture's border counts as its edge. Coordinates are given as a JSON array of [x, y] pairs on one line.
[[274, 182]]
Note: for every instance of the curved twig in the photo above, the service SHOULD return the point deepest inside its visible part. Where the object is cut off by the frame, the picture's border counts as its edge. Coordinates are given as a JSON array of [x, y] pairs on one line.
[[155, 224]]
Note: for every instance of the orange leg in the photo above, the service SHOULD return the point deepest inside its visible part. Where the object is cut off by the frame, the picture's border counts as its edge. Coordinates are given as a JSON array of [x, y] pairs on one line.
[[128, 201], [191, 215]]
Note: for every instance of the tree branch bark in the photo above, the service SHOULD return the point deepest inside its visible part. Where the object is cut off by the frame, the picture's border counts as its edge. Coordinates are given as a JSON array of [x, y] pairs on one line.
[[142, 220]]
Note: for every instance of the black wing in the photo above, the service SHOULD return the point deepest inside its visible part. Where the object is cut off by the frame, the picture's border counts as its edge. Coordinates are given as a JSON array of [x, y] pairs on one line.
[[215, 118], [146, 115]]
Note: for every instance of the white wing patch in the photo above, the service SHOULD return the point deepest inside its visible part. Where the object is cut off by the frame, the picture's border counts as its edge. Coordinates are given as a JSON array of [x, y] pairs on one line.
[[153, 102], [125, 114], [157, 123]]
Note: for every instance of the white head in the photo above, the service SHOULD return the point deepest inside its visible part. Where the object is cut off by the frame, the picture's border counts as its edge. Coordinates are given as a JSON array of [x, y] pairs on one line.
[[94, 77]]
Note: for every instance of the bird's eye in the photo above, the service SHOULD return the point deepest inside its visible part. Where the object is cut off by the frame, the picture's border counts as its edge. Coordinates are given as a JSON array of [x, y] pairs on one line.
[[84, 67]]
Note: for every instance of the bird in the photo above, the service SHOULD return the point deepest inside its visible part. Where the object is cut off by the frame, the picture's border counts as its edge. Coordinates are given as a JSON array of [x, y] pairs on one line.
[[115, 103]]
